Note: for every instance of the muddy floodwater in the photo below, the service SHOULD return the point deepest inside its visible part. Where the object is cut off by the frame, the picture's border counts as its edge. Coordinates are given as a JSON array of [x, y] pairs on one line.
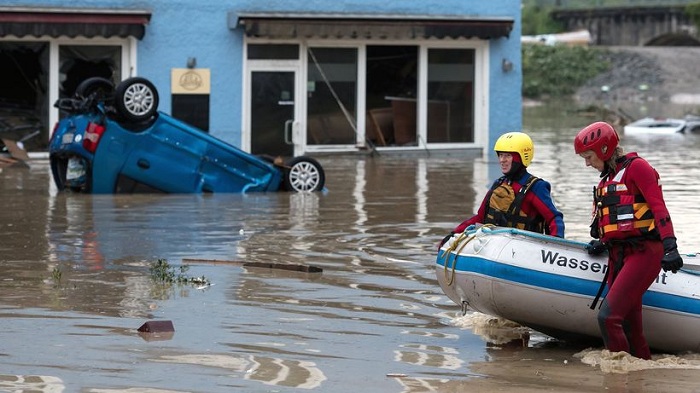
[[75, 283]]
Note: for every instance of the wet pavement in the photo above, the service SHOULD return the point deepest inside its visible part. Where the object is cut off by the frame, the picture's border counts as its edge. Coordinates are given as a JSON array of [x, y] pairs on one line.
[[76, 284]]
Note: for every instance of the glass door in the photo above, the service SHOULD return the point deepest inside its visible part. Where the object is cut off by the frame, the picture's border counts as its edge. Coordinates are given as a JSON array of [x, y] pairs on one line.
[[273, 126]]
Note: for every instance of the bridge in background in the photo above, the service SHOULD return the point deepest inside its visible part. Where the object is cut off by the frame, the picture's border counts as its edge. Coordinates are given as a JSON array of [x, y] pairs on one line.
[[663, 25]]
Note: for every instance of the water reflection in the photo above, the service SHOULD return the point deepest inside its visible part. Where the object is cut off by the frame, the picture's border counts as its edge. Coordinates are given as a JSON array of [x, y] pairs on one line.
[[31, 383], [423, 355], [266, 370]]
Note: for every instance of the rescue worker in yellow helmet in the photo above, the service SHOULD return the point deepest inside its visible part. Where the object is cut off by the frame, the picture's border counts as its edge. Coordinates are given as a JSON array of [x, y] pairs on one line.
[[517, 199]]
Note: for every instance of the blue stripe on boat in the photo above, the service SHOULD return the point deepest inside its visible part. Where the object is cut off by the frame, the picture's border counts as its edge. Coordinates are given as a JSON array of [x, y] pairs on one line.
[[557, 282]]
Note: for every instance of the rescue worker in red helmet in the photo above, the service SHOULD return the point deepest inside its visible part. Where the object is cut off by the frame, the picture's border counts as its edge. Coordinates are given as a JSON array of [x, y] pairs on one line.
[[632, 223], [517, 199]]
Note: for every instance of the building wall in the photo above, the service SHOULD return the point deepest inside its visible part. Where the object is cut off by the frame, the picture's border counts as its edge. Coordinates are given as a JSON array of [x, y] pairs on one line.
[[180, 29]]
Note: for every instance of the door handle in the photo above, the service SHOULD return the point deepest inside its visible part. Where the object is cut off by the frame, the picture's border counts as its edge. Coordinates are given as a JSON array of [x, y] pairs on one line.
[[288, 132]]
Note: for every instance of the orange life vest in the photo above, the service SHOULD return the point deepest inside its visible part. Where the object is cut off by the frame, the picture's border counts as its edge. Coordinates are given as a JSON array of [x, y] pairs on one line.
[[620, 213]]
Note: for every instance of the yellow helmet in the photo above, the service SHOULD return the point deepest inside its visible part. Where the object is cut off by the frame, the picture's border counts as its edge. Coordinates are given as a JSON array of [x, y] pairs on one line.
[[516, 142]]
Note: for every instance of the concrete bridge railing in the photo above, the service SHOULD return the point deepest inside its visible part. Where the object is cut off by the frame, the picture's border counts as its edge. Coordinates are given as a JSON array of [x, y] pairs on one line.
[[638, 26]]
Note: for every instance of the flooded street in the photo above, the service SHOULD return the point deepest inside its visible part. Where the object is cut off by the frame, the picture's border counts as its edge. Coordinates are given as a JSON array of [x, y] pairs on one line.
[[76, 283]]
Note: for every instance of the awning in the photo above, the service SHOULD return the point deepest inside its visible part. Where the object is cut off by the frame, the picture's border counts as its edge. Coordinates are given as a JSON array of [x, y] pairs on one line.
[[73, 22], [367, 26]]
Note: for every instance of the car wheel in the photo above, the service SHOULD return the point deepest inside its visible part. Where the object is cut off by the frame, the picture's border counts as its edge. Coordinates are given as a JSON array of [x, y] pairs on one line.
[[101, 88], [303, 174], [136, 99]]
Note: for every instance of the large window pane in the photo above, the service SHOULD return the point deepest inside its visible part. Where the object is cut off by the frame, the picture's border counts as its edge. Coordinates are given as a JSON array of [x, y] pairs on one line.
[[332, 96], [79, 62], [24, 94], [392, 83], [450, 95], [273, 52]]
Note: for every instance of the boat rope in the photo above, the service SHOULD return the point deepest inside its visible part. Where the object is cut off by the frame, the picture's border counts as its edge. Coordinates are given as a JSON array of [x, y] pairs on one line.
[[600, 290], [453, 248]]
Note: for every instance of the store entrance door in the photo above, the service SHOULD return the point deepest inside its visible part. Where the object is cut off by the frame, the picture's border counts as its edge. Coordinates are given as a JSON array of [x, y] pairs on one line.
[[274, 129]]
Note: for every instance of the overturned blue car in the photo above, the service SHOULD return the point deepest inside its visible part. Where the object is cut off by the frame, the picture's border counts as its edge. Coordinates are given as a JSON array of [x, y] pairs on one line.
[[113, 139]]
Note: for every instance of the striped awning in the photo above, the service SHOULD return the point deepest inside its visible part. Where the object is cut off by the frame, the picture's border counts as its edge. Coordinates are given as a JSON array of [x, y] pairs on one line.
[[367, 26], [73, 22]]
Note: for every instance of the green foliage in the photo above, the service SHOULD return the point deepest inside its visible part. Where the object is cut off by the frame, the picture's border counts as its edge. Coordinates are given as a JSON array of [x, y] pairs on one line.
[[693, 12], [56, 275], [537, 20], [557, 71], [163, 272]]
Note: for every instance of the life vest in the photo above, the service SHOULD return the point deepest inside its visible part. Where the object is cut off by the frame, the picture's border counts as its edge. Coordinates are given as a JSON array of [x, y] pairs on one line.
[[505, 207], [620, 213]]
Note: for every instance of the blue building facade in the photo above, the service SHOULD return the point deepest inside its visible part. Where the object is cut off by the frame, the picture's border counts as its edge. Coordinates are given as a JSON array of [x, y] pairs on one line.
[[283, 77]]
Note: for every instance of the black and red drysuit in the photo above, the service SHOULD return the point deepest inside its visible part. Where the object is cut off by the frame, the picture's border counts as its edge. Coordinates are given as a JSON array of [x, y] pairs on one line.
[[631, 219]]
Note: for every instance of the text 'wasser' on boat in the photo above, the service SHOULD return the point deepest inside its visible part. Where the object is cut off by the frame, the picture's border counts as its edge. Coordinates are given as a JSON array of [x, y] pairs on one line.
[[548, 284]]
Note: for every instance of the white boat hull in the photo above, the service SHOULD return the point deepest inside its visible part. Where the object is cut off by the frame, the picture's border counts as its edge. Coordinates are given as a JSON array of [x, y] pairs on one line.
[[548, 284]]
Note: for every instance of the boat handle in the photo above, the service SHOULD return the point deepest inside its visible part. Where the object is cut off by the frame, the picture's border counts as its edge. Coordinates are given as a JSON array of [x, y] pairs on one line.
[[480, 244]]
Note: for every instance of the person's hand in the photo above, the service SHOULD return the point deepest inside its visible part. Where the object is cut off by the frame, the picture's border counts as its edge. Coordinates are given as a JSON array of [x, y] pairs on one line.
[[596, 247], [672, 260], [445, 239], [594, 229]]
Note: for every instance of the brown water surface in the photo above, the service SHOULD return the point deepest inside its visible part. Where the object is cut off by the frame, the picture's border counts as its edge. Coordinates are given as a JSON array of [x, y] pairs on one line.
[[76, 284]]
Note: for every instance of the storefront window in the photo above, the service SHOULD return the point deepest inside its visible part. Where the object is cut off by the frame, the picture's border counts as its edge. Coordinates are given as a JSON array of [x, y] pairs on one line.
[[273, 52], [450, 95], [332, 96], [392, 86], [391, 94], [79, 62], [24, 93]]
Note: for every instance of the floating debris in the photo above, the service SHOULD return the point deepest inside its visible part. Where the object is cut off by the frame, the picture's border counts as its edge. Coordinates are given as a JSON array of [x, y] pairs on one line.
[[265, 265], [162, 271]]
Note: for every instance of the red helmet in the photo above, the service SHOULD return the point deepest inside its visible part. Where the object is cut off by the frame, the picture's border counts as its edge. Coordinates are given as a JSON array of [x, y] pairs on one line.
[[599, 137]]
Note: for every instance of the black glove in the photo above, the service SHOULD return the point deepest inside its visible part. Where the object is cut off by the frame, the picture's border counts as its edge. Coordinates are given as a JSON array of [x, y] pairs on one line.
[[445, 239], [594, 229], [596, 247], [672, 260]]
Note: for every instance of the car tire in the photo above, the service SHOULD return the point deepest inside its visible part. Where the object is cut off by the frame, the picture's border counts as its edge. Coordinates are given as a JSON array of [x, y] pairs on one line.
[[102, 88], [136, 99], [303, 174]]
